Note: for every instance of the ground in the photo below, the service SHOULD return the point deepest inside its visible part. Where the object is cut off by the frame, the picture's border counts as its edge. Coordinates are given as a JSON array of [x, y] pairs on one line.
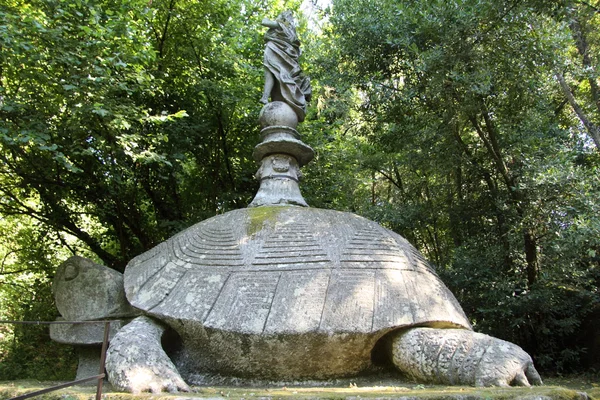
[[557, 388]]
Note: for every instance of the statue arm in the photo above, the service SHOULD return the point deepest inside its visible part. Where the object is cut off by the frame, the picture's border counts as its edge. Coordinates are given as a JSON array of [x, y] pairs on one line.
[[270, 24]]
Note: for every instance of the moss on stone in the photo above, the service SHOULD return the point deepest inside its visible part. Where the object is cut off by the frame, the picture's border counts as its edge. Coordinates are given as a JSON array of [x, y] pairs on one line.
[[259, 215]]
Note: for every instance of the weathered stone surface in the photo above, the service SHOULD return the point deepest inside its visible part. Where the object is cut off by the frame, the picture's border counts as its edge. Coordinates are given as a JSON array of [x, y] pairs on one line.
[[278, 141], [281, 153], [455, 356], [136, 362], [84, 290], [279, 175], [89, 363], [278, 113], [287, 292], [84, 334]]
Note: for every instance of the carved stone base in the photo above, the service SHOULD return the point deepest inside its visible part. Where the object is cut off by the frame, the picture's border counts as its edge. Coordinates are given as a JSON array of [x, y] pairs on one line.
[[279, 175], [89, 363]]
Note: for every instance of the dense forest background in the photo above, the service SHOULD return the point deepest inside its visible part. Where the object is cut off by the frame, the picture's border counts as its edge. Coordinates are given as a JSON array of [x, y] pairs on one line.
[[471, 127]]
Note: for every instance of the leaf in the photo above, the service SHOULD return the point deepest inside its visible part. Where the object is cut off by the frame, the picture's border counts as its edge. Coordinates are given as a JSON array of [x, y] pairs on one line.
[[180, 114], [101, 112]]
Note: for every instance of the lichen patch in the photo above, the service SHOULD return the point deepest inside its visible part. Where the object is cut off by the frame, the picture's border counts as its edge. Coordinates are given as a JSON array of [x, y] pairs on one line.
[[260, 215]]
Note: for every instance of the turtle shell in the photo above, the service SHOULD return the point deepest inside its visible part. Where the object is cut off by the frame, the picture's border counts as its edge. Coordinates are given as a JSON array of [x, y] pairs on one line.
[[287, 271]]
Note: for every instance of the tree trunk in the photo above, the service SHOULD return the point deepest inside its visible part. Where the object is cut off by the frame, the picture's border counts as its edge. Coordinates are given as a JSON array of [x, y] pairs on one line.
[[583, 48], [593, 130], [531, 257]]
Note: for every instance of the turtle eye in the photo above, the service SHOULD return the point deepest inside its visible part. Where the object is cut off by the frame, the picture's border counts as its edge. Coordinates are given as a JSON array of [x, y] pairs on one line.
[[71, 272]]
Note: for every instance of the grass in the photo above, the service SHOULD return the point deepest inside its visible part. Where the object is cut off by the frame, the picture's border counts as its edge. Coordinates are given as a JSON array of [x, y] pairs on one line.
[[561, 388]]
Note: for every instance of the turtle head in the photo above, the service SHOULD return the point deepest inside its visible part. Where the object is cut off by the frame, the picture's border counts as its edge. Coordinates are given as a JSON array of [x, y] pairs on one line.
[[85, 290]]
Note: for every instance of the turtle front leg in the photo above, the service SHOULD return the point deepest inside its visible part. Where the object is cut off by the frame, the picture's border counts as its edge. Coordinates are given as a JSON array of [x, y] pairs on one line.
[[457, 356], [136, 361]]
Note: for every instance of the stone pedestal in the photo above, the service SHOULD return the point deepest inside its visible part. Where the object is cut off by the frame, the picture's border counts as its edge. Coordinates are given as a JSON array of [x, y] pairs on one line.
[[89, 363], [281, 154], [87, 339]]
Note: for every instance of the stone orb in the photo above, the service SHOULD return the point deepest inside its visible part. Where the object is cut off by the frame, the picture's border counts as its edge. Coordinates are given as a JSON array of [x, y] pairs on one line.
[[278, 113]]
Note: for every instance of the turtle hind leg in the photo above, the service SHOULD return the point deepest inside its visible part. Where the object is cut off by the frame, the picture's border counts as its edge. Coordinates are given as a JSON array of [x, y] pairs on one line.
[[462, 357], [136, 361]]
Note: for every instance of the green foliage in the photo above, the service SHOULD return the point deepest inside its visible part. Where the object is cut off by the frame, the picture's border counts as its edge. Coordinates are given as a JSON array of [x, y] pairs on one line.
[[120, 124], [28, 264], [475, 159], [465, 126], [124, 122]]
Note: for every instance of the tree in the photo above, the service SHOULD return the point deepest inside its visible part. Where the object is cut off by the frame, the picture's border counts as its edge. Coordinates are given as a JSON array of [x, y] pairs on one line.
[[582, 19], [473, 152], [463, 125], [123, 122], [27, 264]]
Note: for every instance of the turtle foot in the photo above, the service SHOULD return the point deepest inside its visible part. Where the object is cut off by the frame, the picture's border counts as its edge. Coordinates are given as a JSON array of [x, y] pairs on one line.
[[456, 356], [136, 362]]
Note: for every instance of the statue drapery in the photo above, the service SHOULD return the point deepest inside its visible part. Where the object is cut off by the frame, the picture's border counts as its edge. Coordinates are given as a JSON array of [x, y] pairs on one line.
[[282, 50]]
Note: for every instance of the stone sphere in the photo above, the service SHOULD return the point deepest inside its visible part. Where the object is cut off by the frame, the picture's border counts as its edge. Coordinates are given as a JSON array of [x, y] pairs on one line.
[[278, 113]]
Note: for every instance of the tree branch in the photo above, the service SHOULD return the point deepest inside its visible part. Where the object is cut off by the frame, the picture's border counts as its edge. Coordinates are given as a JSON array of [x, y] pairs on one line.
[[388, 177], [592, 129], [490, 148], [164, 34], [583, 48], [593, 7]]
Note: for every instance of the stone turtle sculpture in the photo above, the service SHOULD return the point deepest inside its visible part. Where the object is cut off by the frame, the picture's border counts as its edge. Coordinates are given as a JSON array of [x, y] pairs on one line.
[[281, 292], [285, 292]]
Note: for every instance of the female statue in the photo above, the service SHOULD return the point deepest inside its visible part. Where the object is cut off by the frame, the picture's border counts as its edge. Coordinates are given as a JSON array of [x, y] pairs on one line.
[[284, 80]]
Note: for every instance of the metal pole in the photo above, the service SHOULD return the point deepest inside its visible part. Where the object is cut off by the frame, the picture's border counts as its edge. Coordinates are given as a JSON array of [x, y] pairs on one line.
[[52, 322], [53, 388], [102, 360]]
